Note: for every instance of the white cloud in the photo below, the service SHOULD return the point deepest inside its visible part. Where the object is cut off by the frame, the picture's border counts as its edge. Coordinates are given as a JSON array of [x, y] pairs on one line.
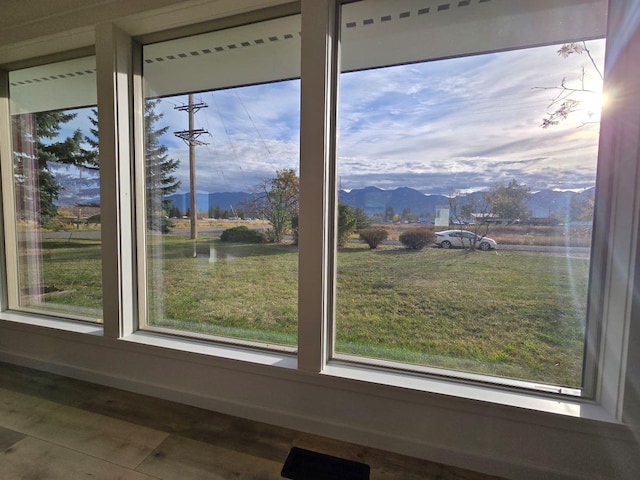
[[459, 123], [252, 132], [466, 117]]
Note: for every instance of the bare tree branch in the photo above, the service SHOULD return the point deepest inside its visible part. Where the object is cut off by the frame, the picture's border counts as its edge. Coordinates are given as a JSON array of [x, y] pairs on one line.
[[563, 103]]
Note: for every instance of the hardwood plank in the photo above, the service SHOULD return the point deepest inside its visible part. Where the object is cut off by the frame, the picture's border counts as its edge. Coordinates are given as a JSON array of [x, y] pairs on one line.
[[32, 458]]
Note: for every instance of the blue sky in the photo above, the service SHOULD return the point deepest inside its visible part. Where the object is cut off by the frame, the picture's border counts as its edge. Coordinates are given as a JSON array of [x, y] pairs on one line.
[[442, 126], [463, 124], [451, 125]]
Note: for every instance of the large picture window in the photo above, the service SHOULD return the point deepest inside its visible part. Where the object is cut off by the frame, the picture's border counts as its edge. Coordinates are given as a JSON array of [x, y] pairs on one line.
[[221, 195], [56, 201], [467, 175], [411, 224]]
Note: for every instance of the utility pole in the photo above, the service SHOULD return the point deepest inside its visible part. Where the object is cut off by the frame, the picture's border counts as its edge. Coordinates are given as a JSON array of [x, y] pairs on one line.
[[191, 138]]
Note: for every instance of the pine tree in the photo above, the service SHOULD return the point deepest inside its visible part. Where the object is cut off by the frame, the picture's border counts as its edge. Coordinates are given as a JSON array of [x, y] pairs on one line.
[[34, 156], [160, 180]]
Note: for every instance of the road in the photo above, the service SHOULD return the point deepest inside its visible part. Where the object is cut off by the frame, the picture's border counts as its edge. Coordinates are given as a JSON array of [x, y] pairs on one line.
[[216, 232], [95, 234], [585, 251]]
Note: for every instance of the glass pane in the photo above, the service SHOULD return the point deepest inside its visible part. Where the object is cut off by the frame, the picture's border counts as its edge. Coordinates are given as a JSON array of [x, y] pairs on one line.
[[222, 183], [474, 178], [57, 189]]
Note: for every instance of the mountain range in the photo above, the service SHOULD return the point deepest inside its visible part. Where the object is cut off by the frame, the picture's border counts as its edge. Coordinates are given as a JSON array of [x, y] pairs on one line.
[[374, 200]]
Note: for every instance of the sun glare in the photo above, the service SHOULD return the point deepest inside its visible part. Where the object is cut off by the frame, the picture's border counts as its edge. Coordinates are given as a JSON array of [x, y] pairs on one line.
[[592, 105]]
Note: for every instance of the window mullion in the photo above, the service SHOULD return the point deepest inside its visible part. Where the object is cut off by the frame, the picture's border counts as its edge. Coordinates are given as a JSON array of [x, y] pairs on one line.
[[317, 185], [620, 150], [9, 282], [114, 70]]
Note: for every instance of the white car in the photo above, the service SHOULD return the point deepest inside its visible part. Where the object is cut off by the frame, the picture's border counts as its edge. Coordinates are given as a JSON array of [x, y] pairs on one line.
[[464, 239]]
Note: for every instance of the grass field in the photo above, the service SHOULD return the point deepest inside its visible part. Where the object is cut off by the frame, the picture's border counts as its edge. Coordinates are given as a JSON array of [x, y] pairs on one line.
[[514, 314], [244, 291], [71, 277], [511, 234]]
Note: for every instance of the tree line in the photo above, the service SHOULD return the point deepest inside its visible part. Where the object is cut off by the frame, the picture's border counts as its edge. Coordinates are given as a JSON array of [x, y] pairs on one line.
[[39, 145]]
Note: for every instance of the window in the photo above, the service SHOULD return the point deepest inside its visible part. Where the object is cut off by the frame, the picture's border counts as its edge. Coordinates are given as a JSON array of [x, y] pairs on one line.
[[443, 118], [399, 407], [54, 211], [222, 126]]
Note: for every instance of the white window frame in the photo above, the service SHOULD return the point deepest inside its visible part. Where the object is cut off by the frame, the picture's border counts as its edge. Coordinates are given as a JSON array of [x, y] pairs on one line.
[[143, 361], [121, 135], [141, 323], [10, 298], [593, 351]]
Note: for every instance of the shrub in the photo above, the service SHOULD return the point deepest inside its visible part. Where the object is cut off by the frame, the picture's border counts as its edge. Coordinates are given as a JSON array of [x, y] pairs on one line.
[[295, 223], [373, 236], [94, 219], [346, 223], [242, 234], [54, 223], [417, 238], [362, 219], [159, 223]]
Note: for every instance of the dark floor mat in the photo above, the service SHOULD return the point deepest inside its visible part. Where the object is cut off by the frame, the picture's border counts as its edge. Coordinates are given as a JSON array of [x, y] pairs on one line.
[[304, 464]]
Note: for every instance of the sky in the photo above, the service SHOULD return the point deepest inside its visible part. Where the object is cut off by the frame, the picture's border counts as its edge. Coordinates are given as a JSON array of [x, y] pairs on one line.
[[452, 125], [455, 125], [464, 124]]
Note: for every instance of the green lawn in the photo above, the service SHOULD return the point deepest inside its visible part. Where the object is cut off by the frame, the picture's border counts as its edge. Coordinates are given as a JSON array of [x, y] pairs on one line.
[[514, 314], [239, 290], [71, 277]]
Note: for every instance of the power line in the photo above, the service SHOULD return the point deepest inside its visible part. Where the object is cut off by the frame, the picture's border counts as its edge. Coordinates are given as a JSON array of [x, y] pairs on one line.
[[254, 126], [215, 155], [227, 132], [190, 137]]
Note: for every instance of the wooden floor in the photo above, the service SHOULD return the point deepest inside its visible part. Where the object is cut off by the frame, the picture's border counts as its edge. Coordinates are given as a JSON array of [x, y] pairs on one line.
[[54, 427]]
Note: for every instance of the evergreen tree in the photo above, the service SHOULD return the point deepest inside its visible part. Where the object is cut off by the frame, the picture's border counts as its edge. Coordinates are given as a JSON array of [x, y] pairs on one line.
[[160, 180], [362, 219], [36, 151], [174, 212], [388, 213], [346, 223]]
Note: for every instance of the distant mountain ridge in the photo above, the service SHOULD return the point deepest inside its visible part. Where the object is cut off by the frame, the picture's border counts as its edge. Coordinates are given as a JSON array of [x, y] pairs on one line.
[[206, 201], [374, 200]]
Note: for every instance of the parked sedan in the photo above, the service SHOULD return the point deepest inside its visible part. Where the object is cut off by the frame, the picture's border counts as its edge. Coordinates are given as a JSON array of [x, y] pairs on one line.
[[464, 239]]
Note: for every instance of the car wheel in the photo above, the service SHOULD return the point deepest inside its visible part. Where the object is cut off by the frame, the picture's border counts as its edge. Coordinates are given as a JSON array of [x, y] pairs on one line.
[[445, 244], [484, 246]]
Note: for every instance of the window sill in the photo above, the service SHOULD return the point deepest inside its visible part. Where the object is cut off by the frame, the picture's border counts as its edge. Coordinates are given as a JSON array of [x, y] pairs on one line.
[[367, 376], [55, 323], [395, 383], [566, 406], [209, 349]]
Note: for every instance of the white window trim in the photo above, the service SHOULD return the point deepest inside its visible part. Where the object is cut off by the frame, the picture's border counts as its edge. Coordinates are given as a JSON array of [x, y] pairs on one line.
[[118, 92], [120, 114], [5, 152], [616, 238], [114, 71], [317, 182], [135, 360], [11, 295]]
